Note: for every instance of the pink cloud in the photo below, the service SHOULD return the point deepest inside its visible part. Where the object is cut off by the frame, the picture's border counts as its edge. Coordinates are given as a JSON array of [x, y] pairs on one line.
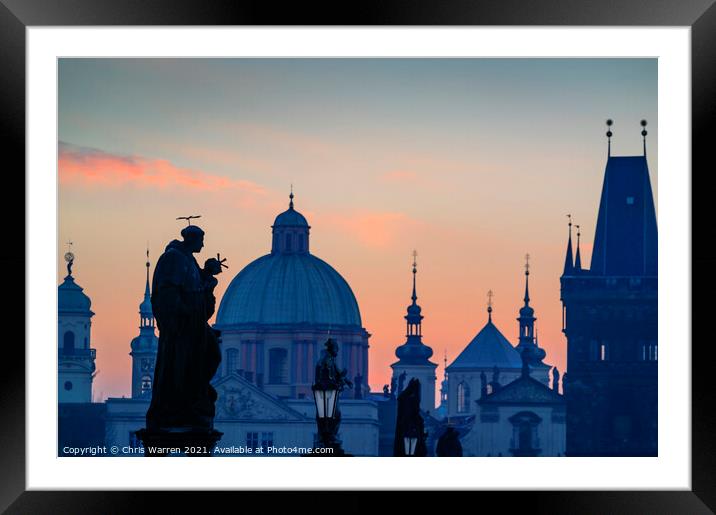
[[374, 229], [80, 166], [398, 176]]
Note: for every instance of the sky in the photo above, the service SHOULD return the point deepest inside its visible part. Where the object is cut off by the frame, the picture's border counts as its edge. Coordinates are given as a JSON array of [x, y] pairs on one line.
[[474, 163]]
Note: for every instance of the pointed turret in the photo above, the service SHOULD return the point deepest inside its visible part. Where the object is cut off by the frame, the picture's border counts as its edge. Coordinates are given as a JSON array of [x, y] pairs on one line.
[[568, 259], [578, 258], [626, 214]]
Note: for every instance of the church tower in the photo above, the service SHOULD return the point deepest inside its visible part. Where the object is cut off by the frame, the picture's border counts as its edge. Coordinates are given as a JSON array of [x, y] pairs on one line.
[[413, 355], [144, 347], [610, 321], [76, 360]]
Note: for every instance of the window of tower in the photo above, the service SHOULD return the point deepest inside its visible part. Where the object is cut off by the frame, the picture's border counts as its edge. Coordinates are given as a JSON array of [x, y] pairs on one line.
[[603, 352], [68, 385], [252, 440], [146, 385], [278, 366], [69, 342], [463, 397], [288, 242], [300, 243]]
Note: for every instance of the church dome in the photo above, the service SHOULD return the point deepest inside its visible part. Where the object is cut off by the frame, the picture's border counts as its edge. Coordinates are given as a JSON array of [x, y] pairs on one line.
[[70, 298], [289, 285], [288, 289]]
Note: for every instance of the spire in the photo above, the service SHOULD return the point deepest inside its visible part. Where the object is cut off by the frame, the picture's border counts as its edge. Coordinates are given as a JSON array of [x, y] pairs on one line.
[[568, 262], [610, 122], [489, 306], [643, 134], [578, 259], [146, 314], [414, 350], [527, 318], [290, 202], [527, 280], [415, 271], [146, 286]]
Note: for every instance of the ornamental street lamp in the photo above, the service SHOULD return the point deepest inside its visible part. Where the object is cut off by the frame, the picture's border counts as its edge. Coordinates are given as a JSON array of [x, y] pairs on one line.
[[410, 441], [327, 388]]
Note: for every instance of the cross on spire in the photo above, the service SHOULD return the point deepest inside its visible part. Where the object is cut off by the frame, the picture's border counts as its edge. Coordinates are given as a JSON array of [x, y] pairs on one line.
[[415, 271], [69, 246], [489, 305], [527, 264], [188, 218]]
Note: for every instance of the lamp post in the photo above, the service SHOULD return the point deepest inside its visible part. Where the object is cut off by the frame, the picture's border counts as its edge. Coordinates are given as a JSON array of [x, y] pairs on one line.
[[327, 387]]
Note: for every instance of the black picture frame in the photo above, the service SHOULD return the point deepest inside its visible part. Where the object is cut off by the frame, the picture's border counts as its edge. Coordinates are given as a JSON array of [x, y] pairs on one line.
[[700, 15]]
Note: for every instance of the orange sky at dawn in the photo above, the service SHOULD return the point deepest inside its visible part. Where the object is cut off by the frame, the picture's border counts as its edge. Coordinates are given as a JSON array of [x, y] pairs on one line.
[[443, 165]]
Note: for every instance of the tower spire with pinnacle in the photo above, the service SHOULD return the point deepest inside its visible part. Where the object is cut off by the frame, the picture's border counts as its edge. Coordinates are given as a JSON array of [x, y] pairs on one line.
[[643, 134], [578, 258], [610, 122], [290, 197], [526, 318], [568, 260]]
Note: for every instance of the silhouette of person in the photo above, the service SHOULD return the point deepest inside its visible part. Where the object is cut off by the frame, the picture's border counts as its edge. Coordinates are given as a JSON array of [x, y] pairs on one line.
[[188, 353], [449, 444]]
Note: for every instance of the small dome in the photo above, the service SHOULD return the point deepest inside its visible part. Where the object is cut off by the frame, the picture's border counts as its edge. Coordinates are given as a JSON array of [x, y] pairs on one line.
[[290, 218], [527, 312], [413, 352], [70, 298]]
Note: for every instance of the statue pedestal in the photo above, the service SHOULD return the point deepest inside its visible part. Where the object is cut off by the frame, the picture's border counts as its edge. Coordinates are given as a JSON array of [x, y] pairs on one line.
[[186, 442]]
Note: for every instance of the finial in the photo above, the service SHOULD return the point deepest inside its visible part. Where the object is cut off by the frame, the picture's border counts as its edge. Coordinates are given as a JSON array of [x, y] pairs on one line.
[[69, 258], [489, 305], [415, 271], [578, 257], [569, 217], [290, 203], [188, 218], [610, 122], [445, 359], [527, 279], [643, 134]]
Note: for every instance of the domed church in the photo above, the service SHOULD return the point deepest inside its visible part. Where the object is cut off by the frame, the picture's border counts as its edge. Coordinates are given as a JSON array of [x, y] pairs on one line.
[[279, 310]]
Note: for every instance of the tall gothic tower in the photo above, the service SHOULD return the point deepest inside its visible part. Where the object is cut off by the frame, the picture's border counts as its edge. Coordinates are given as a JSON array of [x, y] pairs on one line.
[[76, 360], [610, 321], [413, 355], [144, 347]]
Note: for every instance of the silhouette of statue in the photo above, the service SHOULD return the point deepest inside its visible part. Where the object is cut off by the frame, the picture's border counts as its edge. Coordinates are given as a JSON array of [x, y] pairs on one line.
[[386, 390], [449, 444], [555, 379], [401, 381], [188, 354], [358, 392], [409, 422]]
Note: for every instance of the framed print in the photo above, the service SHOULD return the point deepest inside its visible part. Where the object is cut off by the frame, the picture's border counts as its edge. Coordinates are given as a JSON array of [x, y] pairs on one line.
[[268, 200]]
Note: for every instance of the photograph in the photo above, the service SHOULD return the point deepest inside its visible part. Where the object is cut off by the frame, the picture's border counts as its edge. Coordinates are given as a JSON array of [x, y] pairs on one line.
[[357, 257]]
